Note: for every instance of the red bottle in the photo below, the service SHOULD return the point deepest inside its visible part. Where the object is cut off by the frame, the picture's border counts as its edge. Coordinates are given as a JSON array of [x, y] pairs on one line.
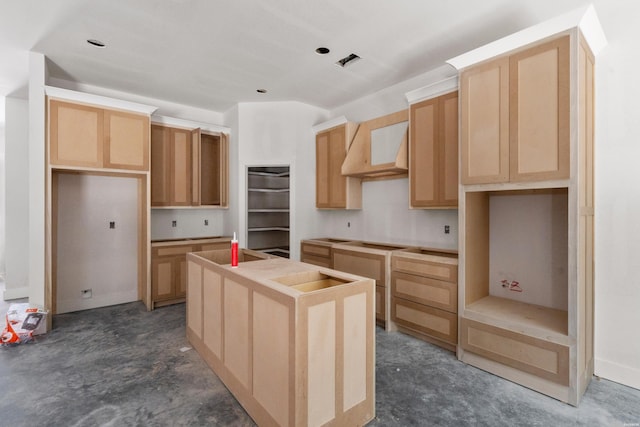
[[234, 251]]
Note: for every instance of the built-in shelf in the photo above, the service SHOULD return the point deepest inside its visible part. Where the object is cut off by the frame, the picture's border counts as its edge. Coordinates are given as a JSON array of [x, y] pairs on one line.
[[268, 209]]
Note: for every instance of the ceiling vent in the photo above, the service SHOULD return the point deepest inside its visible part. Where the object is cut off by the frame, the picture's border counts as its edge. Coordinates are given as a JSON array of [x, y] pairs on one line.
[[348, 60]]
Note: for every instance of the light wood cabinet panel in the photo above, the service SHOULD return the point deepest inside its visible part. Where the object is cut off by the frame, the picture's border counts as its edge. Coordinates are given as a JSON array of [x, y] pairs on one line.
[[426, 291], [515, 116], [160, 166], [484, 123], [75, 134], [91, 137], [433, 142], [162, 278], [539, 113], [433, 322], [188, 167], [126, 140], [334, 190], [180, 167]]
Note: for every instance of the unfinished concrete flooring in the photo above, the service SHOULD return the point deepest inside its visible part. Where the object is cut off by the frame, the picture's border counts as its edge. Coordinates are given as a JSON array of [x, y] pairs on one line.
[[124, 366]]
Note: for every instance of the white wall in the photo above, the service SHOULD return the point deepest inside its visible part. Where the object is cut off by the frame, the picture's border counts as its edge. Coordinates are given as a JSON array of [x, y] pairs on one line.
[[617, 229], [279, 133], [17, 198], [2, 190], [91, 255]]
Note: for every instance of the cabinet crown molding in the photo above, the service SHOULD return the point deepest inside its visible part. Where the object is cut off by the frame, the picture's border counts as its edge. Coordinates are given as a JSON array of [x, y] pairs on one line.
[[584, 18], [189, 124], [98, 100], [331, 123], [433, 90]]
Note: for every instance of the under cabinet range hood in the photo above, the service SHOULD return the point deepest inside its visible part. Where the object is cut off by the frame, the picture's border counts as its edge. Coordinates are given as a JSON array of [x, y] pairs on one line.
[[379, 148]]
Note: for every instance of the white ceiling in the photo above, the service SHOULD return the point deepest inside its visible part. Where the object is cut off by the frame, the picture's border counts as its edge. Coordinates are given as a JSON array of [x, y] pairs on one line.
[[214, 54]]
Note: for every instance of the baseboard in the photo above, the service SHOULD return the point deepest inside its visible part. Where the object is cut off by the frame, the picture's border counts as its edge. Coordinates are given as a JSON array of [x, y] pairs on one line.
[[625, 375], [15, 293], [97, 301]]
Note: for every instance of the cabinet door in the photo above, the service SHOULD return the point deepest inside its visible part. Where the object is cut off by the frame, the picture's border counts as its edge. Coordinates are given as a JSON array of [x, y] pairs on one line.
[[322, 170], [162, 278], [484, 123], [126, 141], [539, 113], [180, 266], [331, 185], [75, 135], [180, 155], [448, 151], [423, 153], [160, 166]]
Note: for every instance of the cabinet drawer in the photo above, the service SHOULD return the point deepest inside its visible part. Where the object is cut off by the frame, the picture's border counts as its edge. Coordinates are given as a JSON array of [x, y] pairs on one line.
[[427, 320], [318, 250], [544, 359], [424, 290], [316, 260], [214, 246], [426, 266], [175, 250]]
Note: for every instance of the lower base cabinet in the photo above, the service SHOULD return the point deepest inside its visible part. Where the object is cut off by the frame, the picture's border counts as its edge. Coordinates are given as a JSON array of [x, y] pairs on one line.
[[169, 267]]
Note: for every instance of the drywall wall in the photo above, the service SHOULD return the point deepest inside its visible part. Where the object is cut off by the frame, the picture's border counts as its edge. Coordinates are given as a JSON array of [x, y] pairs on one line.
[[16, 198], [90, 254], [2, 190], [278, 134], [617, 209], [528, 244]]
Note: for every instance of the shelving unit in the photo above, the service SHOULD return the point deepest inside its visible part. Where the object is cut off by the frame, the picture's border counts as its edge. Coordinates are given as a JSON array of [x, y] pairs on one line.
[[268, 209]]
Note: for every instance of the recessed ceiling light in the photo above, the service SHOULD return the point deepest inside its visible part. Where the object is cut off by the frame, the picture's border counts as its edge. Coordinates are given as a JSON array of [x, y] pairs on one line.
[[261, 90], [348, 60], [96, 43], [322, 50]]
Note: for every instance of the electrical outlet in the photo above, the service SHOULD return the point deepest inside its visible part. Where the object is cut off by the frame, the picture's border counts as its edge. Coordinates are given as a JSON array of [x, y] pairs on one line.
[[447, 229], [206, 222], [348, 224], [86, 293], [174, 223], [112, 224]]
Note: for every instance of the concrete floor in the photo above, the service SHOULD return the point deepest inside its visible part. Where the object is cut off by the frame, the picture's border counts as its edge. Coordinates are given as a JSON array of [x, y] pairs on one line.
[[124, 366]]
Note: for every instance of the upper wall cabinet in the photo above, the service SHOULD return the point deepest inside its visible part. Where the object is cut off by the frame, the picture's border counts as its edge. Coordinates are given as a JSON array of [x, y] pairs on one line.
[[433, 152], [379, 148], [92, 137], [188, 167], [333, 190], [515, 116]]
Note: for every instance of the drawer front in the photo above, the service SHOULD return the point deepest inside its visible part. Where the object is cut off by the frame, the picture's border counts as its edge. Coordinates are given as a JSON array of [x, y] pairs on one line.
[[538, 357], [318, 250], [361, 264], [435, 270], [214, 246], [430, 321], [424, 290], [316, 260], [175, 250], [380, 304]]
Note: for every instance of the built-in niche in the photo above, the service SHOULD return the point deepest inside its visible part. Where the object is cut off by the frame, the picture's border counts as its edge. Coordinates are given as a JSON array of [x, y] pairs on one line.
[[516, 257], [98, 249]]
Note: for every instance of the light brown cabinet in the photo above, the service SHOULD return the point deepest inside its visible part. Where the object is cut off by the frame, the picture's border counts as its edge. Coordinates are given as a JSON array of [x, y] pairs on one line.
[[433, 152], [188, 168], [527, 314], [318, 251], [334, 190], [515, 116], [91, 137], [169, 267], [424, 295]]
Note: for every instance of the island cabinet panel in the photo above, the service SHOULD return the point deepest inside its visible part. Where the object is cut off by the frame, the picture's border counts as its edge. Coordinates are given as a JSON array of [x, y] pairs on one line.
[[293, 342]]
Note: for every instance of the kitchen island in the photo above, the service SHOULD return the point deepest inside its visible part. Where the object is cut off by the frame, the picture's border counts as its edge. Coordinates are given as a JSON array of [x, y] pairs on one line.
[[294, 343]]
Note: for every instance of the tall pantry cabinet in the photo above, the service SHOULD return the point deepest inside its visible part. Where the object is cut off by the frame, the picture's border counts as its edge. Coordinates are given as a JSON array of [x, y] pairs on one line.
[[526, 214]]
